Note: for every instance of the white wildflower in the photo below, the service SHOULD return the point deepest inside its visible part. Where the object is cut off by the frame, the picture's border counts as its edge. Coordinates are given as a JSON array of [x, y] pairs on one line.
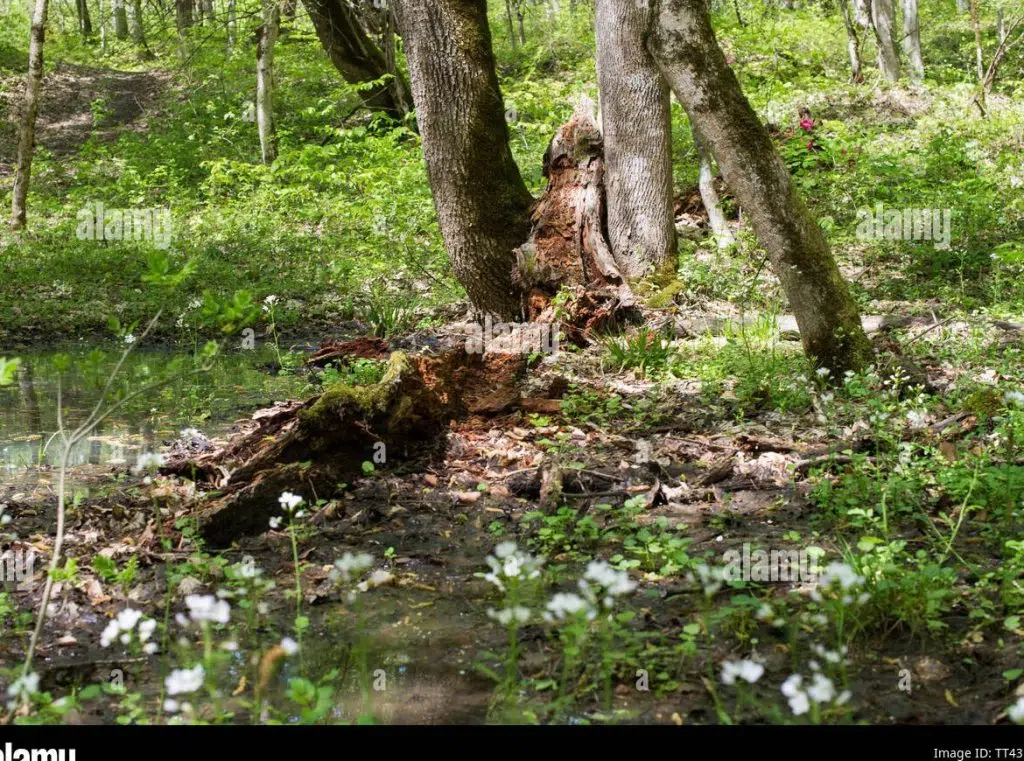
[[349, 565], [185, 680], [290, 501], [747, 670], [564, 604], [207, 608], [290, 646], [821, 690], [275, 522], [505, 616], [148, 461], [1015, 398]]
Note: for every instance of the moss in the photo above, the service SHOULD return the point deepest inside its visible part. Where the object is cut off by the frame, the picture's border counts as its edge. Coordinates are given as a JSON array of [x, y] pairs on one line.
[[343, 400], [665, 296]]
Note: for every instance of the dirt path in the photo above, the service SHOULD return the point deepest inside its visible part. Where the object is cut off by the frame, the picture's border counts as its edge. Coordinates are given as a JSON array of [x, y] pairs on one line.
[[66, 116]]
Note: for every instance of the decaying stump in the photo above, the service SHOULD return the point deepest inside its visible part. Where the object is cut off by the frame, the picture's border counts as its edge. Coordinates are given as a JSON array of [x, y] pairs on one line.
[[309, 447], [567, 247]]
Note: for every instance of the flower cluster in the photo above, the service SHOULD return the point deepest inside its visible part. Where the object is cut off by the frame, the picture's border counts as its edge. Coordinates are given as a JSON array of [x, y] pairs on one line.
[[510, 563], [602, 582], [566, 605], [747, 670], [21, 689], [820, 690], [840, 580], [205, 609], [183, 682], [122, 627], [289, 503], [348, 566]]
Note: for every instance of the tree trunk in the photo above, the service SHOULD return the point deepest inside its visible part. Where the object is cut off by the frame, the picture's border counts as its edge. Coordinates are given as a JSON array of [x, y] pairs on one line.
[[862, 13], [852, 43], [979, 54], [708, 194], [510, 24], [265, 41], [963, 6], [883, 15], [120, 20], [138, 32], [912, 40], [84, 20], [636, 126], [356, 57], [482, 204], [521, 16], [684, 45], [208, 10], [29, 111], [231, 24], [183, 15]]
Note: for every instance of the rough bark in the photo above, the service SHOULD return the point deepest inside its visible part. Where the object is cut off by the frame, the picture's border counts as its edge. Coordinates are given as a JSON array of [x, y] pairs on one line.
[[636, 126], [852, 43], [120, 20], [708, 194], [912, 40], [29, 112], [356, 57], [883, 19], [482, 204], [266, 40], [684, 45]]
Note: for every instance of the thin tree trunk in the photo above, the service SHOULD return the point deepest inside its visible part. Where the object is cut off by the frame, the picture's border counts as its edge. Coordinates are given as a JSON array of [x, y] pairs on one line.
[[637, 130], [521, 15], [211, 14], [29, 111], [684, 45], [482, 204], [979, 55], [120, 20], [852, 43], [84, 20], [231, 24], [510, 24], [708, 194], [912, 40], [357, 58], [138, 32], [265, 42], [883, 17], [862, 13]]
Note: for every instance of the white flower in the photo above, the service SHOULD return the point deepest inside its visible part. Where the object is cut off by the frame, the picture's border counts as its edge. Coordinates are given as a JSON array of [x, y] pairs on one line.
[[290, 646], [231, 646], [24, 686], [146, 629], [821, 690], [148, 461], [747, 670], [511, 568], [349, 565], [271, 300], [1016, 711], [799, 704], [275, 522], [791, 686], [171, 705], [127, 619], [505, 549], [614, 582], [565, 604], [185, 680], [129, 339], [765, 613], [842, 573], [917, 418], [505, 616], [822, 372], [204, 608], [290, 501], [109, 634], [150, 648]]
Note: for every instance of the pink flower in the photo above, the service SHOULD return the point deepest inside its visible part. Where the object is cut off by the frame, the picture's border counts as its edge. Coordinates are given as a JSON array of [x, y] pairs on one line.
[[807, 125]]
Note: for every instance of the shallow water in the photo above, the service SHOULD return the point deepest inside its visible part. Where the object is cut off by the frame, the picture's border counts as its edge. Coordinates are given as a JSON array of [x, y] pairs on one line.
[[210, 401]]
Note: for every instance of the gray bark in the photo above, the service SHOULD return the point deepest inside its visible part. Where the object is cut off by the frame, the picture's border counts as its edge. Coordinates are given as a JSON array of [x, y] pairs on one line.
[[852, 42], [265, 42], [138, 33], [84, 20], [684, 45], [883, 18], [708, 194], [120, 20], [912, 40], [636, 126], [862, 13], [356, 56], [29, 112], [481, 201]]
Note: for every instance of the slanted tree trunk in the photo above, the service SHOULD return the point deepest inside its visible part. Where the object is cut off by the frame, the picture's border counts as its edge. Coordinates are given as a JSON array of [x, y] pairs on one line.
[[482, 203], [684, 45], [708, 194], [883, 19], [356, 57], [912, 40], [852, 43], [84, 20], [29, 111], [120, 20], [266, 40], [636, 126]]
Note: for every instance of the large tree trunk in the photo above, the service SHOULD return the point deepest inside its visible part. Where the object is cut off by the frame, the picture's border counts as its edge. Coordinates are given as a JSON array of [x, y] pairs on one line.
[[912, 40], [852, 42], [636, 126], [356, 57], [266, 40], [120, 20], [482, 203], [84, 20], [684, 45], [183, 15], [708, 194], [29, 111], [883, 18]]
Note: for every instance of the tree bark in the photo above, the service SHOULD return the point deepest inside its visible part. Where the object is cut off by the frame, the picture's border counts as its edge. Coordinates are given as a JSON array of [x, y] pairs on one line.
[[637, 130], [482, 203], [120, 20], [29, 112], [138, 32], [84, 20], [852, 43], [912, 40], [862, 13], [708, 194], [684, 45], [510, 24], [183, 14], [231, 24], [356, 57], [882, 16], [265, 42]]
